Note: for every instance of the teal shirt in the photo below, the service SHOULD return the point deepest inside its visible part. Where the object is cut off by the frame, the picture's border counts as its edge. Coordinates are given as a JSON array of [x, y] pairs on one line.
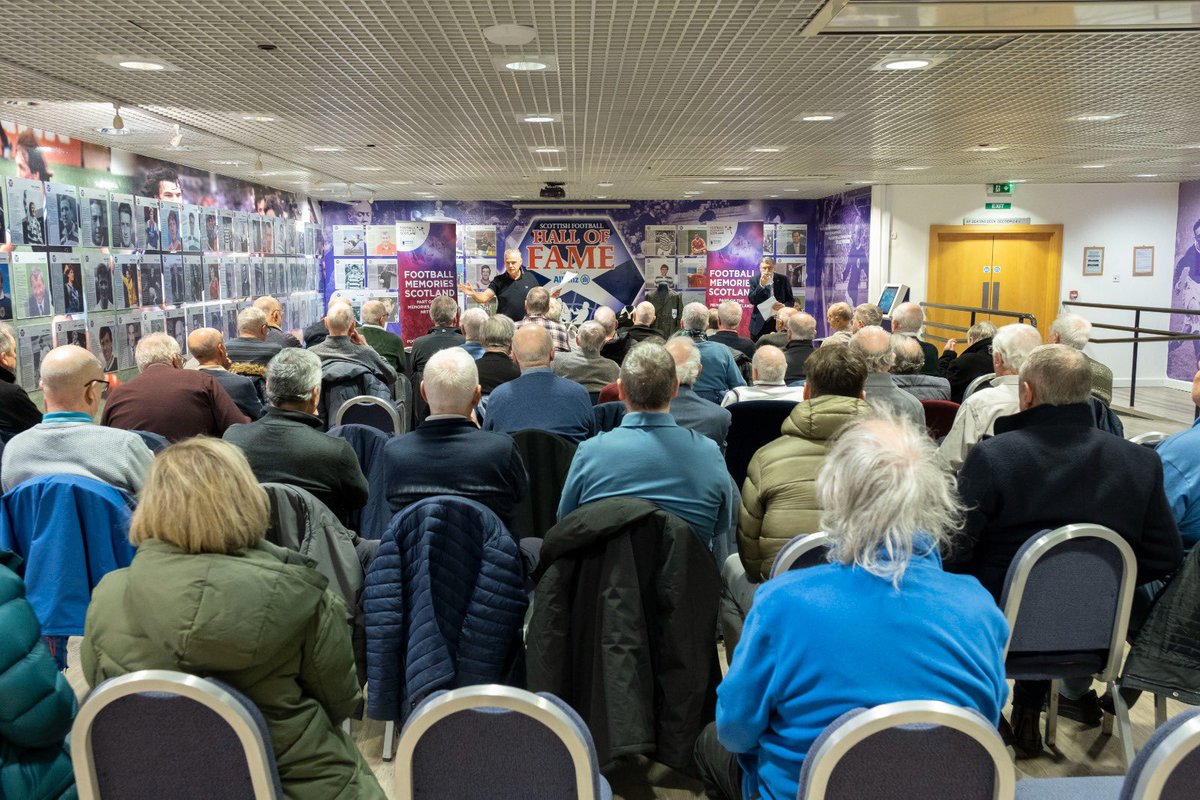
[[1180, 456]]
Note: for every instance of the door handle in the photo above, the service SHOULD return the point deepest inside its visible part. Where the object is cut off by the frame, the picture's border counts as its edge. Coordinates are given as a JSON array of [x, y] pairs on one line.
[[986, 286], [995, 295]]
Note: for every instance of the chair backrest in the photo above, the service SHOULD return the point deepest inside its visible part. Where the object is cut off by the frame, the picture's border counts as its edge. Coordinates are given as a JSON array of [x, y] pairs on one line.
[[977, 384], [752, 423], [608, 415], [1168, 767], [609, 394], [547, 458], [136, 738], [805, 550], [156, 442], [912, 749], [493, 741], [939, 416], [1150, 438], [1069, 590], [368, 410], [404, 401]]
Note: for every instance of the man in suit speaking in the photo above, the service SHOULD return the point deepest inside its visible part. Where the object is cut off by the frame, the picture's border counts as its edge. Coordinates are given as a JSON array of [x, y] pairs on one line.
[[768, 285]]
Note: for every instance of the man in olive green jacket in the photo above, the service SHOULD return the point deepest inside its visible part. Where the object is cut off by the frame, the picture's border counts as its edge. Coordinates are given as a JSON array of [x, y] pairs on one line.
[[779, 496], [374, 329]]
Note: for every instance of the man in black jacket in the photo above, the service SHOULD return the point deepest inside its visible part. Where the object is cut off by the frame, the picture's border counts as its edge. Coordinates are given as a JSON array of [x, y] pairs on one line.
[[767, 285], [729, 319], [801, 328], [444, 313], [208, 348], [496, 366], [1082, 475], [17, 411], [976, 360]]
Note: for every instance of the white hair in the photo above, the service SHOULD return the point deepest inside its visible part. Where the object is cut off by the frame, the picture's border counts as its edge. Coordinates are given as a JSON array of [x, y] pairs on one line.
[[292, 374], [695, 317], [450, 379], [157, 348], [643, 313], [770, 365], [339, 319], [555, 309], [801, 326], [251, 320], [591, 337], [886, 496], [472, 323], [981, 330], [607, 318], [729, 314], [687, 359], [907, 318], [1014, 343], [874, 344], [1072, 330]]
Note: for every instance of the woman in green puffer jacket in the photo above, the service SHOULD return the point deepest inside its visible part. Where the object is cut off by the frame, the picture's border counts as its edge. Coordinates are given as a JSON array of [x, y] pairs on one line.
[[37, 704], [207, 596]]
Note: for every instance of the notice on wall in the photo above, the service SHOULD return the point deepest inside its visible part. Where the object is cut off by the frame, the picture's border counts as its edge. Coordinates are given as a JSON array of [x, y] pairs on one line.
[[734, 251], [425, 267]]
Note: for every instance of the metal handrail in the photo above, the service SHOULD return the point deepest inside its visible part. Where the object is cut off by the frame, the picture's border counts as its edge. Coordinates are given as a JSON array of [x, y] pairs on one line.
[[1020, 316]]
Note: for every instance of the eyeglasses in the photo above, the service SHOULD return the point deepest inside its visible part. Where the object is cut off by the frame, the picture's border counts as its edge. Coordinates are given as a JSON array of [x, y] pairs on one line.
[[104, 388]]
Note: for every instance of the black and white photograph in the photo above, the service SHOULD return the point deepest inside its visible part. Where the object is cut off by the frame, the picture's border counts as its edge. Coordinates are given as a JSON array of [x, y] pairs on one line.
[[244, 270], [381, 273], [151, 280], [196, 317], [34, 342], [129, 333], [93, 207], [62, 215], [70, 331], [176, 326], [349, 273], [102, 339], [349, 240], [174, 280], [660, 241], [26, 224], [97, 282], [121, 214], [192, 228], [194, 269], [227, 244]]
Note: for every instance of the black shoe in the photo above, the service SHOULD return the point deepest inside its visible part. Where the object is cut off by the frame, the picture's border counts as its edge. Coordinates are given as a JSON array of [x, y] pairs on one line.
[[1106, 702], [1085, 710], [1027, 731]]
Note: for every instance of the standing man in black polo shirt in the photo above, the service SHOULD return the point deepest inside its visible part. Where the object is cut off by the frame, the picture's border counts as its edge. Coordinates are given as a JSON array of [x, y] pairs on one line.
[[509, 287]]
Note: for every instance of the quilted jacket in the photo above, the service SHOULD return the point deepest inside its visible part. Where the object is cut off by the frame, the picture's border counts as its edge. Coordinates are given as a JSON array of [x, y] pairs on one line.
[[445, 600]]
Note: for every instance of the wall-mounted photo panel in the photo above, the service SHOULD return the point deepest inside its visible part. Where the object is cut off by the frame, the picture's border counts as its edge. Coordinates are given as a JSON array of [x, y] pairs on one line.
[[6, 292], [70, 330], [171, 217], [102, 338], [149, 230], [660, 241], [26, 208], [66, 282], [150, 276], [212, 275], [174, 279], [191, 227], [127, 292], [693, 240], [30, 274], [34, 341], [193, 270], [98, 288], [211, 238], [227, 244], [792, 240], [176, 326], [121, 216], [129, 333], [661, 270], [62, 215], [93, 208]]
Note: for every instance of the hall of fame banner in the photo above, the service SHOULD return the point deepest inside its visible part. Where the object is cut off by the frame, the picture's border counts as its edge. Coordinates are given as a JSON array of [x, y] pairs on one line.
[[734, 252]]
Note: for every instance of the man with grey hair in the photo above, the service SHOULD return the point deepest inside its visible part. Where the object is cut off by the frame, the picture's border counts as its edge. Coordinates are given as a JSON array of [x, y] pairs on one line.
[[289, 445], [447, 453], [539, 399], [509, 288], [866, 315], [874, 345], [689, 409], [779, 337], [17, 412], [472, 329], [651, 457], [496, 365], [907, 318], [720, 372], [251, 345], [67, 441], [769, 366], [537, 306], [839, 317], [1075, 331], [976, 417], [166, 399], [1047, 466], [643, 329], [976, 360], [208, 348], [585, 365], [729, 319], [444, 312], [274, 312], [345, 343], [908, 360], [801, 328], [374, 331]]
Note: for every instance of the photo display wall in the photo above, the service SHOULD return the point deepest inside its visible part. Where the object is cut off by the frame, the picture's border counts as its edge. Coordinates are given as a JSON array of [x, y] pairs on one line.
[[103, 269]]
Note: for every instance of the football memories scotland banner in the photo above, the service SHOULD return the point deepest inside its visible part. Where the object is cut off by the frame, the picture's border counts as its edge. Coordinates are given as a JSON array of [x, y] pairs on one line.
[[425, 265], [735, 249]]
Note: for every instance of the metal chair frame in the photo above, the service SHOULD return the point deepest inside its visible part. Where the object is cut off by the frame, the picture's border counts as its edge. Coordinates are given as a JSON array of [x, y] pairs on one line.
[[433, 711], [195, 688], [366, 399], [974, 385], [795, 549], [1150, 437], [1163, 760]]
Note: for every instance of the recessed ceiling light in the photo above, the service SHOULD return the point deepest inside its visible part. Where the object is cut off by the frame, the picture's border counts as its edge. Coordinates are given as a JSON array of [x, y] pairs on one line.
[[1095, 117], [907, 63], [765, 150], [710, 183], [1146, 175], [791, 190], [605, 183], [733, 169], [818, 118], [547, 150], [540, 118], [987, 148], [113, 131], [508, 34], [225, 162], [772, 195], [526, 66], [601, 197], [1092, 166], [327, 149], [1017, 180], [514, 197], [911, 169], [253, 118], [369, 169], [144, 66], [551, 169], [692, 192], [400, 183], [862, 183]]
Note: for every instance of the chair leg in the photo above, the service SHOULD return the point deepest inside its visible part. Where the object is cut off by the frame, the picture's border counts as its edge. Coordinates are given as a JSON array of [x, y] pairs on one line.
[[1160, 709], [1124, 729], [389, 744], [1052, 713]]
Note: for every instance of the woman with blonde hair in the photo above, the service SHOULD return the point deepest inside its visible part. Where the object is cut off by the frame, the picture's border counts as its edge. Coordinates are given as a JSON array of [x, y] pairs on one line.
[[206, 595]]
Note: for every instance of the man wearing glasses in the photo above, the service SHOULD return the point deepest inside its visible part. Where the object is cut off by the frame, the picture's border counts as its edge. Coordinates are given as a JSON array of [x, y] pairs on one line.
[[68, 440]]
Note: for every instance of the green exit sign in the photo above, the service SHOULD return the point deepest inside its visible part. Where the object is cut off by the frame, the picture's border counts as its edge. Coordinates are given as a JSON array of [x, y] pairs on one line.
[[1000, 188], [998, 206]]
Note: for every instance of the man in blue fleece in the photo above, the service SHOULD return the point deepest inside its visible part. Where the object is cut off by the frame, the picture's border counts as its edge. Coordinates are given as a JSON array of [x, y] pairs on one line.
[[863, 630], [539, 399]]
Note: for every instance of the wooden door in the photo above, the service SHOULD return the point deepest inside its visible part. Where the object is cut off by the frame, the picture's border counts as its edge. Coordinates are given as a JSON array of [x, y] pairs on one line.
[[962, 277], [1026, 276]]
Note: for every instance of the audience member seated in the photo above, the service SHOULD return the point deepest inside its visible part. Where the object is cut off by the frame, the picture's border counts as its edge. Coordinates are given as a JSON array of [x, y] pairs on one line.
[[443, 311], [689, 409], [975, 361], [650, 456], [907, 319], [251, 345], [208, 348], [537, 304], [496, 365], [214, 599], [614, 345], [778, 499], [472, 328], [1075, 331], [315, 334], [67, 441], [447, 453], [801, 328], [1180, 455], [976, 417], [642, 330], [274, 313], [38, 703], [839, 317], [874, 344], [539, 399], [585, 365], [388, 345], [729, 319], [866, 315], [818, 639], [908, 369], [168, 400], [344, 342], [720, 372], [1049, 466], [768, 369], [17, 412], [779, 337], [288, 444]]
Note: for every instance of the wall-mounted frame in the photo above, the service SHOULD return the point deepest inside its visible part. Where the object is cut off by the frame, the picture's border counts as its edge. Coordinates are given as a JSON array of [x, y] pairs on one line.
[[1143, 261], [1093, 261]]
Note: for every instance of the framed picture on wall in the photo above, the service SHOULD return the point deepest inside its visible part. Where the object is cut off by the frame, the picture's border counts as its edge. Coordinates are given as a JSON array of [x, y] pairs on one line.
[[1143, 261], [1093, 261]]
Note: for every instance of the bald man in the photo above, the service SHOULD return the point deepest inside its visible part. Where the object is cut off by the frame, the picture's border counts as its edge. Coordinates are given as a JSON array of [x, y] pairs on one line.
[[207, 346], [68, 441], [539, 399], [274, 311]]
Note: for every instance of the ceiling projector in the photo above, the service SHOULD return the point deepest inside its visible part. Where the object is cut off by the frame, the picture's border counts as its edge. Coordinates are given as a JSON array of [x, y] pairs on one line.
[[553, 191]]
